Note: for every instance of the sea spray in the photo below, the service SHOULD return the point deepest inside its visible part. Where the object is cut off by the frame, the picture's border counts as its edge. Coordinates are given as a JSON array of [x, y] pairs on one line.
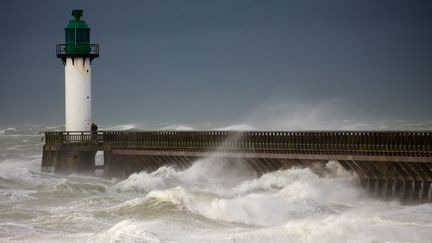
[[204, 173]]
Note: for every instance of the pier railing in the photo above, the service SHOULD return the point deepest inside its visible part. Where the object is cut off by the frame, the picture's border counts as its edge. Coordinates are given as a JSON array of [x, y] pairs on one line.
[[407, 143]]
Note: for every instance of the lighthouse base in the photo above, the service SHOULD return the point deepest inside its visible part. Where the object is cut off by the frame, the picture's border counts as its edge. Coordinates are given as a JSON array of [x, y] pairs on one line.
[[69, 162]]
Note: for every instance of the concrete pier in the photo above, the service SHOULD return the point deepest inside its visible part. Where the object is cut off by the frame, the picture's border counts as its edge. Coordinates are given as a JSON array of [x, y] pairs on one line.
[[391, 164]]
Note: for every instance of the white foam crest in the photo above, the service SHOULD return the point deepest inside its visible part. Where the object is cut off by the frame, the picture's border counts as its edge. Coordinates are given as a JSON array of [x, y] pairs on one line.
[[216, 173], [16, 195], [260, 209], [15, 169], [122, 127], [12, 228], [144, 182], [270, 200], [336, 170], [278, 180], [65, 185], [79, 207], [334, 188], [177, 196], [237, 127], [364, 224], [254, 209], [286, 195], [55, 127], [177, 127], [7, 130], [127, 231], [126, 205], [271, 182], [213, 174], [59, 185]]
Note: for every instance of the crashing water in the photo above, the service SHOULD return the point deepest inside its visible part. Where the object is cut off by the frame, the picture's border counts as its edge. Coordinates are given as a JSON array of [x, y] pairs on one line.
[[213, 201]]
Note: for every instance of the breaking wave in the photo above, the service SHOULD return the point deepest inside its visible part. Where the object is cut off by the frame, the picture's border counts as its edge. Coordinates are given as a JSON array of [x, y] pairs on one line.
[[122, 127], [177, 127], [272, 199], [237, 127], [286, 205], [7, 130]]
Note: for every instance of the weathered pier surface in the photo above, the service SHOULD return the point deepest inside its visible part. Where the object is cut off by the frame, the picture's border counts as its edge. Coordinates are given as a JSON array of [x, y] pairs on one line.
[[390, 164]]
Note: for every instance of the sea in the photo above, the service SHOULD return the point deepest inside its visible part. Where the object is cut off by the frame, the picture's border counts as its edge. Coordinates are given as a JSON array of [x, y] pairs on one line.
[[212, 201]]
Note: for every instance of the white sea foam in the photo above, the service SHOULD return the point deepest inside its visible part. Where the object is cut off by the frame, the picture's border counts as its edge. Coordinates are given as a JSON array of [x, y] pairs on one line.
[[207, 174], [6, 228], [144, 182], [177, 127], [65, 185], [55, 127], [14, 195], [122, 127], [7, 130], [237, 127], [273, 199], [303, 208], [127, 231], [20, 170]]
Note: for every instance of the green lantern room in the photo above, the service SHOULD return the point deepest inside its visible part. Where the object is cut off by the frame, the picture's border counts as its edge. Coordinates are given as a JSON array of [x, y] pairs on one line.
[[77, 39]]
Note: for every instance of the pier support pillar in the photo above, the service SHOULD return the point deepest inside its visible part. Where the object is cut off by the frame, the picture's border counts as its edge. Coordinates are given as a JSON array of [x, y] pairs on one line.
[[385, 188], [409, 189], [418, 189], [428, 190], [69, 162], [49, 160]]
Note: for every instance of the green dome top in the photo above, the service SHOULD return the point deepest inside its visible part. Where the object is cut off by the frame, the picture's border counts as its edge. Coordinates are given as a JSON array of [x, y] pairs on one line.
[[77, 23]]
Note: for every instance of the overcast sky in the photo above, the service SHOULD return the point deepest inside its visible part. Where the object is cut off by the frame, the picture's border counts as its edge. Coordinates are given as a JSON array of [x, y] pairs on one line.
[[222, 61]]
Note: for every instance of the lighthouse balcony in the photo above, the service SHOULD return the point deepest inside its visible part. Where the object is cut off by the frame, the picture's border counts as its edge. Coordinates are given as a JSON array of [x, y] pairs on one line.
[[64, 51]]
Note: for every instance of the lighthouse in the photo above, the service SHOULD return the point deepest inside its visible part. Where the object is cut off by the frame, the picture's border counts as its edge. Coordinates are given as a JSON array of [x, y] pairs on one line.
[[77, 55]]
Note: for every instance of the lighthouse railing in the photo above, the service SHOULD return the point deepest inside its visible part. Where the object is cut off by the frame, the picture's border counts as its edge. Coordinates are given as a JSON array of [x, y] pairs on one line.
[[77, 50]]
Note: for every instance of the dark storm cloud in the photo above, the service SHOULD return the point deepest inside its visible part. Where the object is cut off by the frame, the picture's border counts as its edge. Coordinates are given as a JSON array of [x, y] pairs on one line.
[[199, 61]]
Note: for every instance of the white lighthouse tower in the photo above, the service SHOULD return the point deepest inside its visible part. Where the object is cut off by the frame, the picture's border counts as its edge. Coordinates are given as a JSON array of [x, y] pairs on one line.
[[77, 54]]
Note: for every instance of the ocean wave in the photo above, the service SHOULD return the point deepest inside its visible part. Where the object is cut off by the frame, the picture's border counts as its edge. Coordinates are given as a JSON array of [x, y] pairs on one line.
[[55, 128], [271, 182], [237, 127], [16, 195], [157, 204], [177, 196], [12, 228], [212, 174], [144, 182], [22, 130], [65, 185], [362, 224], [122, 127], [272, 199], [7, 130], [257, 209], [20, 170], [177, 127], [127, 231]]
